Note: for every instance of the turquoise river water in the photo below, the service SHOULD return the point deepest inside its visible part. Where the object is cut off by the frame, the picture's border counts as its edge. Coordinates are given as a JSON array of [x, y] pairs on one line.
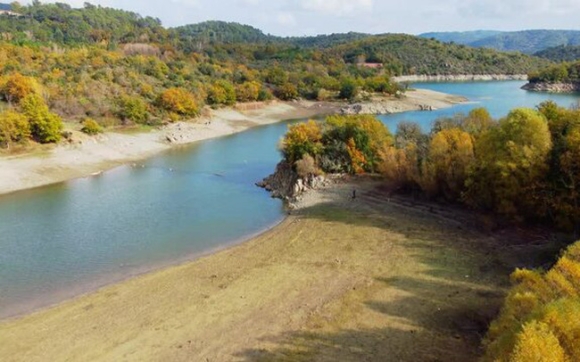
[[65, 239]]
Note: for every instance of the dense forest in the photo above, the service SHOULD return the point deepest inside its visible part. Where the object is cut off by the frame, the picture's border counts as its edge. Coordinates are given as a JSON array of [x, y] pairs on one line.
[[562, 53], [525, 41], [524, 167], [461, 37], [108, 67], [558, 73]]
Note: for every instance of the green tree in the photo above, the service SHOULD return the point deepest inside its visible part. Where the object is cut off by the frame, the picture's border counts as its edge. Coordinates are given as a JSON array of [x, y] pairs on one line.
[[348, 89]]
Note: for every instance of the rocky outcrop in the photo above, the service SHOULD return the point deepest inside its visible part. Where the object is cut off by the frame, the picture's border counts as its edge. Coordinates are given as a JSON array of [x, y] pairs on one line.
[[459, 78], [285, 183], [552, 87]]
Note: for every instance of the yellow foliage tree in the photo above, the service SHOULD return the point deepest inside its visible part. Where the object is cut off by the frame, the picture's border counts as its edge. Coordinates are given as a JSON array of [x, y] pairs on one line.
[[14, 127], [511, 161], [301, 139], [16, 87], [540, 320], [180, 101], [450, 156]]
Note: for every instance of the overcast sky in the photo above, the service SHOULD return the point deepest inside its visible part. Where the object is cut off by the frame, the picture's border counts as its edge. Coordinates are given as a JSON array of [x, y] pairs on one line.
[[311, 17]]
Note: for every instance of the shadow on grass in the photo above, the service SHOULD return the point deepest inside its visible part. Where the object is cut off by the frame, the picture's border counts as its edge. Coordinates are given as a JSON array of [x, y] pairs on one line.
[[441, 314]]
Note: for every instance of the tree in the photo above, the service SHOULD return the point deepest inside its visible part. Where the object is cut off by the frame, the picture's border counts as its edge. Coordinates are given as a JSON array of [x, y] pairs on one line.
[[348, 89], [512, 159], [45, 126], [133, 109], [302, 139], [14, 127], [248, 91], [180, 101], [221, 92], [17, 87], [287, 92], [450, 157]]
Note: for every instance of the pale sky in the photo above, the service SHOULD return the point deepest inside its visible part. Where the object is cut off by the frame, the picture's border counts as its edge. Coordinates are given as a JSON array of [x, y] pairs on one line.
[[311, 17]]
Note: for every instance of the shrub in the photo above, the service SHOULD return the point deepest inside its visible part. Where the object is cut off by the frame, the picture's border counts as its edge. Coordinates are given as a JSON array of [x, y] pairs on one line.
[[248, 91], [221, 92], [306, 166], [133, 109], [91, 127], [287, 92]]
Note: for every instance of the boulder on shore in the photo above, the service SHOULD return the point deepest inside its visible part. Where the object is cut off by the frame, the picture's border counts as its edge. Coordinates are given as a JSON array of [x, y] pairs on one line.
[[285, 183]]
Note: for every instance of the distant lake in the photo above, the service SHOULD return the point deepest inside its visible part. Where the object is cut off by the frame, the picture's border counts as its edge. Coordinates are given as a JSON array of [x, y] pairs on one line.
[[61, 240]]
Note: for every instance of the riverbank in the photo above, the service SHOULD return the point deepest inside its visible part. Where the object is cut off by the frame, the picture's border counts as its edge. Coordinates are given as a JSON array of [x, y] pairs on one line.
[[459, 78], [86, 155], [338, 280]]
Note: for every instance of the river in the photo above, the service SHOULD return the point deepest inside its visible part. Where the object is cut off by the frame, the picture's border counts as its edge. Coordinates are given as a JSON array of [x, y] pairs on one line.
[[62, 240]]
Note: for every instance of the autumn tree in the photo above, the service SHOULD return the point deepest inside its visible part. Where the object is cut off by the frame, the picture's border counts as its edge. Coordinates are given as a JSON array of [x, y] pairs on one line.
[[133, 109], [511, 160], [450, 156], [45, 126], [14, 128], [221, 92], [302, 139], [248, 91], [16, 87], [180, 101], [540, 319]]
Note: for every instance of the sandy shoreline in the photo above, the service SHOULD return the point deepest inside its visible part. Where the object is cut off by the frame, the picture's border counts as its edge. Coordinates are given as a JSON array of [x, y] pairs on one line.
[[90, 155]]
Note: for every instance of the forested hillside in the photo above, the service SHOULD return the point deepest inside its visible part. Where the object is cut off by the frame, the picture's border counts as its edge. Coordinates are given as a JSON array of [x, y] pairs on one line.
[[108, 67], [563, 53], [558, 73], [461, 37]]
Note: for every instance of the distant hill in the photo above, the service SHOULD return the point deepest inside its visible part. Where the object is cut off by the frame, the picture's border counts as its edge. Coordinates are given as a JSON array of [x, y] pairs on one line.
[[563, 53], [525, 41], [407, 54], [529, 41], [461, 37], [222, 32]]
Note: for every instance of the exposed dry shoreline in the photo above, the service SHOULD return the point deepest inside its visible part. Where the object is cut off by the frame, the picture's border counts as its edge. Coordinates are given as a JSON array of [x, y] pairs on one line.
[[339, 280], [89, 155]]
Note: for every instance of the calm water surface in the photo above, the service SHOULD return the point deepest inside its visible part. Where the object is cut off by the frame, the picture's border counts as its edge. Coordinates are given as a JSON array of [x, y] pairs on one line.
[[58, 241]]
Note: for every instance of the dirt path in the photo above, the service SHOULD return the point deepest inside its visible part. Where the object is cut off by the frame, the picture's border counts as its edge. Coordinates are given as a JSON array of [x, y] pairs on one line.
[[339, 280]]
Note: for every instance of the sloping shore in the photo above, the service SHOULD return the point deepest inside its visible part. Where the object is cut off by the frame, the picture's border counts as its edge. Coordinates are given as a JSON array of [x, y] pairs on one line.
[[340, 280], [91, 155]]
